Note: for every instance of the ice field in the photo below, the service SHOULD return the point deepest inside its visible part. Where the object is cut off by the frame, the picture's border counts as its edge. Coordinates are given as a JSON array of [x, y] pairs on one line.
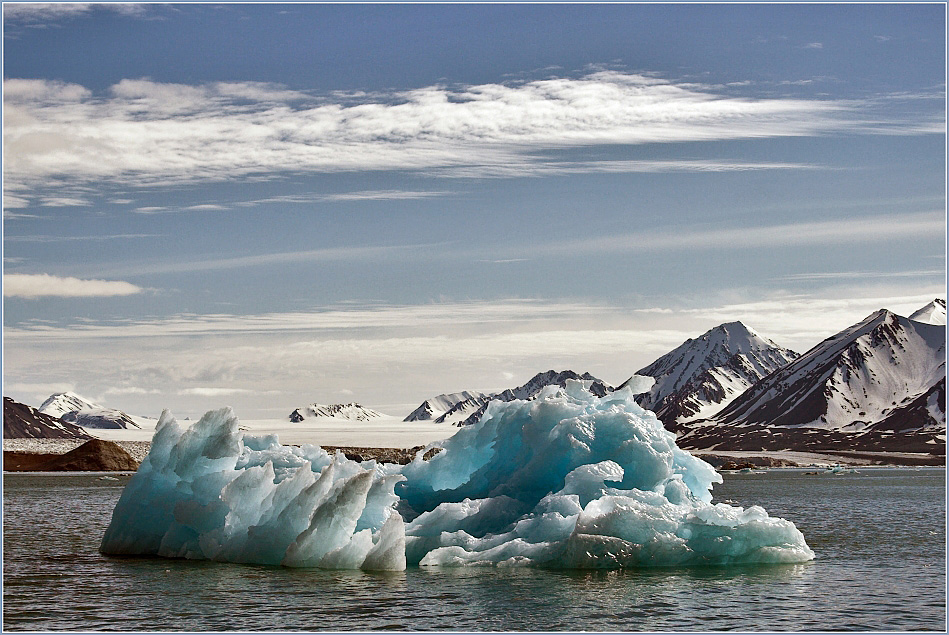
[[566, 480]]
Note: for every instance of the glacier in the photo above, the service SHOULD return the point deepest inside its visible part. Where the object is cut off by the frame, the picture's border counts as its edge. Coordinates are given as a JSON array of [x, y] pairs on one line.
[[567, 480]]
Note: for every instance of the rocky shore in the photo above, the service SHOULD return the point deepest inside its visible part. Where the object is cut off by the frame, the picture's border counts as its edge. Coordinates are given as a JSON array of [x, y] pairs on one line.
[[32, 454]]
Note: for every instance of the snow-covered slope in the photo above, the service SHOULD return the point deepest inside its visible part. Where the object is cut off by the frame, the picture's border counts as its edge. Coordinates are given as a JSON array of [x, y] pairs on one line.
[[932, 313], [883, 375], [103, 418], [61, 403], [852, 379], [23, 422], [350, 411], [449, 406], [76, 409], [703, 375], [532, 388]]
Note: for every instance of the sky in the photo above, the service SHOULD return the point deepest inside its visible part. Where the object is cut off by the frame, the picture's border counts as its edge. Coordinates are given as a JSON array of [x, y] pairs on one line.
[[271, 205]]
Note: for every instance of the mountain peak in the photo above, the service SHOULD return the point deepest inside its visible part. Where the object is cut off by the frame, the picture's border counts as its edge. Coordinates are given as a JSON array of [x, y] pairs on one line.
[[60, 403], [352, 411], [718, 348], [932, 313]]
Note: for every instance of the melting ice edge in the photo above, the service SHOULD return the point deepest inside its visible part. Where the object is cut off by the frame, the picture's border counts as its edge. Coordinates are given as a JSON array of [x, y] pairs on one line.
[[567, 480]]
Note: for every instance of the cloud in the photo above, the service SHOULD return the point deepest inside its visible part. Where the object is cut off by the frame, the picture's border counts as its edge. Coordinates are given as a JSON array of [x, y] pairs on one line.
[[64, 202], [41, 12], [144, 133], [21, 285], [862, 275], [402, 354], [328, 320], [62, 239], [825, 232], [330, 254], [214, 392], [561, 168]]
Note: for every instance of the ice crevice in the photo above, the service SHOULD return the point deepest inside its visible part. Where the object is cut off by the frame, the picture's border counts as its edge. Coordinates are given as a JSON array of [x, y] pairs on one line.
[[568, 480]]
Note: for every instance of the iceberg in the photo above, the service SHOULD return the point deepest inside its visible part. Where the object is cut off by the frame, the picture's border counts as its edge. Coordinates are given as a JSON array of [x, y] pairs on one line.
[[568, 480]]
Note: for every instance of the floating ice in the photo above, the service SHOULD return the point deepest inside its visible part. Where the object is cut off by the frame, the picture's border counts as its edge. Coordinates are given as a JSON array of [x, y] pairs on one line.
[[566, 480]]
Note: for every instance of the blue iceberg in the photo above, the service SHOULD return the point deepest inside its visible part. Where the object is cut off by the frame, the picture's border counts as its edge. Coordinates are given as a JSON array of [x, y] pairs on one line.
[[568, 480]]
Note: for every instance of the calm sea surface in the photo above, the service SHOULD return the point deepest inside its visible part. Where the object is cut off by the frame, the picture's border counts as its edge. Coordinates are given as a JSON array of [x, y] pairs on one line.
[[879, 535]]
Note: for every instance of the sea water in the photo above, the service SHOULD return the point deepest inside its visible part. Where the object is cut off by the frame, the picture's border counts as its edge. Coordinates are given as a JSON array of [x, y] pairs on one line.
[[879, 538]]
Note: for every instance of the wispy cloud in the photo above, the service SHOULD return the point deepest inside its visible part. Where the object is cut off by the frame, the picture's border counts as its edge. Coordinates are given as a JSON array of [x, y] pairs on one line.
[[842, 231], [42, 12], [334, 319], [22, 285], [148, 133], [861, 275], [215, 392], [64, 239], [328, 254], [561, 168]]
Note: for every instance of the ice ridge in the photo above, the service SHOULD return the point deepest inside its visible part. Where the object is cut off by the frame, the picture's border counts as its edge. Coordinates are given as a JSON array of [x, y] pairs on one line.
[[567, 480]]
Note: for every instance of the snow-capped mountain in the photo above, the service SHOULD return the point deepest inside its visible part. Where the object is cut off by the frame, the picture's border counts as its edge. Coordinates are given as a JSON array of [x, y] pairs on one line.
[[73, 408], [531, 389], [100, 418], [703, 375], [448, 406], [352, 411], [23, 422], [884, 374], [60, 403], [932, 313]]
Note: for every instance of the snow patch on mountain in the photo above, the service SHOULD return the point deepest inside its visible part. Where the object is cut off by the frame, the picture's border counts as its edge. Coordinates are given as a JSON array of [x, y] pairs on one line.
[[351, 411], [932, 313], [58, 404], [449, 406], [76, 409]]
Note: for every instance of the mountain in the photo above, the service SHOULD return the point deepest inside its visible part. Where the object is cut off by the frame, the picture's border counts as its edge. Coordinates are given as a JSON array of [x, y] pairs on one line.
[[448, 406], [531, 389], [61, 403], [856, 390], [703, 375], [73, 408], [932, 313], [23, 422], [100, 418], [351, 411]]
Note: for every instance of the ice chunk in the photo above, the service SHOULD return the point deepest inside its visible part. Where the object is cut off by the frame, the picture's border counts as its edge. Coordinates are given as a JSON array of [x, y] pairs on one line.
[[566, 480]]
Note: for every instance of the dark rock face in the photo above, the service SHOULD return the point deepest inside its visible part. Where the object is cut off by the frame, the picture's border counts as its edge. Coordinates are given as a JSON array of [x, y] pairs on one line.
[[92, 456], [531, 389], [23, 422]]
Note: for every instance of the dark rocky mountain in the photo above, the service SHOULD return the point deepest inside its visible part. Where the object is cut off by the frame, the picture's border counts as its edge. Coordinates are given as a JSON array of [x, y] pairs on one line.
[[23, 422], [532, 388], [448, 406], [878, 385], [73, 408], [703, 375]]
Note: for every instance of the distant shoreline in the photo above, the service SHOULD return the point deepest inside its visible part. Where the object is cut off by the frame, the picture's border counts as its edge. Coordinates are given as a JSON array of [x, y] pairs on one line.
[[21, 454]]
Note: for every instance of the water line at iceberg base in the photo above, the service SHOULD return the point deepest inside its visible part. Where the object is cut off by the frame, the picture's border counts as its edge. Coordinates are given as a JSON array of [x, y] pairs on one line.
[[568, 480]]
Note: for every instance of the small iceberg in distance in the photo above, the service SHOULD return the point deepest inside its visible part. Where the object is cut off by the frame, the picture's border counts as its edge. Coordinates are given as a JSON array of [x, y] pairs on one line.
[[568, 480]]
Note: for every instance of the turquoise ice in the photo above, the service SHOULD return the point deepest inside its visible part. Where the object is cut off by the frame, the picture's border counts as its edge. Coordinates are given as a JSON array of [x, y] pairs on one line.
[[566, 480]]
